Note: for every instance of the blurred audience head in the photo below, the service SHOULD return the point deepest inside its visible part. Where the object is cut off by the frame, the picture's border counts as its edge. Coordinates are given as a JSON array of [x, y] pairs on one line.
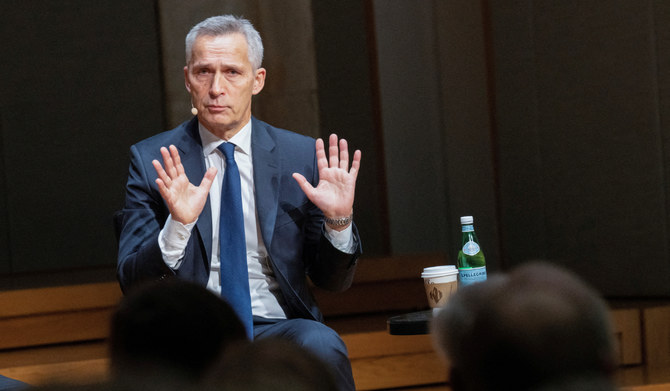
[[170, 330], [271, 364], [538, 327]]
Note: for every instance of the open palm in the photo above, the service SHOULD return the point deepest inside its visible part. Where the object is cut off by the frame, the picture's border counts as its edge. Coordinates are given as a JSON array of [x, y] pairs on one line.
[[334, 194], [184, 200]]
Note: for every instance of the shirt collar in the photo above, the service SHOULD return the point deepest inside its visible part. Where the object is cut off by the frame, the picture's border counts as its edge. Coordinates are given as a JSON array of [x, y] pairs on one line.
[[241, 139]]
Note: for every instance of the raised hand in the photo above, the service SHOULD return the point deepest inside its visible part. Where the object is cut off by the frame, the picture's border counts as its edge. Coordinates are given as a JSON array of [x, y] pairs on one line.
[[184, 200], [334, 194]]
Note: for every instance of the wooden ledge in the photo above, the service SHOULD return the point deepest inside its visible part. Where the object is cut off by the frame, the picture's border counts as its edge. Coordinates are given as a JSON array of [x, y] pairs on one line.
[[41, 316], [26, 302], [385, 284], [53, 315]]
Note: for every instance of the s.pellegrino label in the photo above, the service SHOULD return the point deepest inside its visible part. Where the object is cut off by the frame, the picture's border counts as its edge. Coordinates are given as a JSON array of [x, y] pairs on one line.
[[471, 261], [472, 275]]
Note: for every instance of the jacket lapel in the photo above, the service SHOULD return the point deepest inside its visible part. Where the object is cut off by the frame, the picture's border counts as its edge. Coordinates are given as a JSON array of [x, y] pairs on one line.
[[190, 151], [266, 178]]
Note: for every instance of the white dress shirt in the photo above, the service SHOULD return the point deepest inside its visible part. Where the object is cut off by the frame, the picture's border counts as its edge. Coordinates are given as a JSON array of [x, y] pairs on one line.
[[266, 300]]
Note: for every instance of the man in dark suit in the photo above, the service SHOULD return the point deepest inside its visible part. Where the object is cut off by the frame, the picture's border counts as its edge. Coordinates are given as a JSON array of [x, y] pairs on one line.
[[297, 198]]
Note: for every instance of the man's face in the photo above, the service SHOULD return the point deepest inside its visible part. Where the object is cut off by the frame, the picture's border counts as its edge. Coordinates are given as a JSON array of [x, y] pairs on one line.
[[221, 81]]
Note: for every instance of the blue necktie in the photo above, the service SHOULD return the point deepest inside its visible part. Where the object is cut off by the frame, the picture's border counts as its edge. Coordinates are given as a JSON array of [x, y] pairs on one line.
[[233, 251]]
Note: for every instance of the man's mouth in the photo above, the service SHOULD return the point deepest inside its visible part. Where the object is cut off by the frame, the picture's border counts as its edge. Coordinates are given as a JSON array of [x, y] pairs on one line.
[[216, 108]]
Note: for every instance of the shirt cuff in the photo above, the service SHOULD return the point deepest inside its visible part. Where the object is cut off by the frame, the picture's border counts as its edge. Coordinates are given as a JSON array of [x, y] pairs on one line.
[[342, 240], [172, 241]]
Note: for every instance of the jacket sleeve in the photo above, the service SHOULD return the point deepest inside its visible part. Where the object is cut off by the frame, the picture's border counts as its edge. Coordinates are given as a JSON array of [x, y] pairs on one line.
[[332, 269], [328, 267], [140, 222]]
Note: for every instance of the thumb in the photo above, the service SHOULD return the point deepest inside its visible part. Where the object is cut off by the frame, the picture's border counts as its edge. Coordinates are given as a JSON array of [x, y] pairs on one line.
[[208, 179], [306, 187]]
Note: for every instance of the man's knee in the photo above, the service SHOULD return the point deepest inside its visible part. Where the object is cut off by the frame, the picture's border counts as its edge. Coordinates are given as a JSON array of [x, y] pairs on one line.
[[327, 345], [314, 334]]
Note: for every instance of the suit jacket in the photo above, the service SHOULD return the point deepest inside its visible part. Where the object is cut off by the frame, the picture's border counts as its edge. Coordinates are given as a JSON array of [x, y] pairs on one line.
[[291, 226]]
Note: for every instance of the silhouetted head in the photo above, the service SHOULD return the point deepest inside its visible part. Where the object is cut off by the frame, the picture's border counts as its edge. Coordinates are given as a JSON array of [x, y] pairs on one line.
[[271, 364], [537, 325], [173, 329]]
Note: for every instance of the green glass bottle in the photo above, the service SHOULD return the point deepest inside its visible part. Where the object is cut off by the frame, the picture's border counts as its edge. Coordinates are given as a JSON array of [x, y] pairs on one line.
[[471, 261]]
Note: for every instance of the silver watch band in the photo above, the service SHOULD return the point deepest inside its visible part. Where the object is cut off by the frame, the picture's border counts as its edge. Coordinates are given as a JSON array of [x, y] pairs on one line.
[[341, 222]]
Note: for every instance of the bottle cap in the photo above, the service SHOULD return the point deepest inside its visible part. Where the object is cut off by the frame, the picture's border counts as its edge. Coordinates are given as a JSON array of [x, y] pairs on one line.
[[467, 220]]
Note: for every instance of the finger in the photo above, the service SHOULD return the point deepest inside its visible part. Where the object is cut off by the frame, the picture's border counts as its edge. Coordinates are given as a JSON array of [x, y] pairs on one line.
[[177, 160], [332, 151], [344, 155], [161, 173], [167, 162], [356, 163], [321, 160], [162, 189], [306, 187], [208, 179]]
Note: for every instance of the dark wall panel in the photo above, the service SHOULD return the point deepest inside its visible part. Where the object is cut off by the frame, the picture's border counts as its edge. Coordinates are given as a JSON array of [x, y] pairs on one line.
[[5, 260], [581, 156], [661, 19], [81, 83], [348, 106]]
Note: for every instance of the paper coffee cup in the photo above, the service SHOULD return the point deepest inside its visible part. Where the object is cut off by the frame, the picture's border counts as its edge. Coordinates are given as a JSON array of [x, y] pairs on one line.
[[440, 282]]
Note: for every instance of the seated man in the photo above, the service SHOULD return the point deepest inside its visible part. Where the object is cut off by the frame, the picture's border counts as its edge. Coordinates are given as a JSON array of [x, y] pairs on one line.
[[538, 328], [242, 207]]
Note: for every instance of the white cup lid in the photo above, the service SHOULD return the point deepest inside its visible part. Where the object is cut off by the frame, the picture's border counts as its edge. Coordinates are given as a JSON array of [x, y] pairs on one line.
[[436, 271]]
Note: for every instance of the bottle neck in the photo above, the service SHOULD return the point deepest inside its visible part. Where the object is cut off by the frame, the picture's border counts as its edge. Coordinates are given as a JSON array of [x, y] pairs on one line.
[[467, 228]]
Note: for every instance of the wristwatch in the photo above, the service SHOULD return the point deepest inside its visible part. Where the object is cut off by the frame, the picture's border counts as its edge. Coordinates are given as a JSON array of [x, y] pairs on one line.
[[341, 222]]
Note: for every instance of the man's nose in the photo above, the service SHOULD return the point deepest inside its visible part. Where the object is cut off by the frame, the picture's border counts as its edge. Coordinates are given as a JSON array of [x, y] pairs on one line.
[[219, 84]]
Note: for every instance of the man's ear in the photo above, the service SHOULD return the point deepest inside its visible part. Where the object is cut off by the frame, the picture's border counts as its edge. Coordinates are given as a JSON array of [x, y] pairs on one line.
[[259, 80], [186, 82]]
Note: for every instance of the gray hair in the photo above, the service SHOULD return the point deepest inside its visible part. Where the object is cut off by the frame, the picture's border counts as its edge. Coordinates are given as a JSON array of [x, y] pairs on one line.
[[224, 25], [540, 318]]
